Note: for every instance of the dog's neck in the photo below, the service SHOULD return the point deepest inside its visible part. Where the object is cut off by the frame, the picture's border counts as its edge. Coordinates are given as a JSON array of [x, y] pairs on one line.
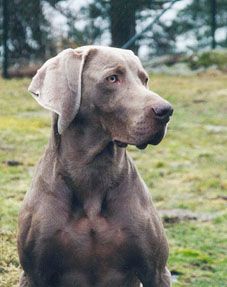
[[90, 161]]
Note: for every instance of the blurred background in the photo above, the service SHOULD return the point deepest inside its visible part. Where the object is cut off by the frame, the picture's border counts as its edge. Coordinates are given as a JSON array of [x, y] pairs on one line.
[[32, 31], [183, 45]]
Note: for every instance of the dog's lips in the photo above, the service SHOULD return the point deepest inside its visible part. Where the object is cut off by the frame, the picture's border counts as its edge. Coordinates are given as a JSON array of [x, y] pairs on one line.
[[153, 140], [142, 146], [157, 138], [124, 145]]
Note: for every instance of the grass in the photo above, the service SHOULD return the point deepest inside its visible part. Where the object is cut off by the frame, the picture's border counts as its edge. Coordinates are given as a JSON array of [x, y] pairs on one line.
[[186, 171]]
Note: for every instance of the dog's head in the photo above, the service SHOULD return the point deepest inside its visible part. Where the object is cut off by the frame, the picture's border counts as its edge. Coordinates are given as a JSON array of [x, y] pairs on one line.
[[107, 86]]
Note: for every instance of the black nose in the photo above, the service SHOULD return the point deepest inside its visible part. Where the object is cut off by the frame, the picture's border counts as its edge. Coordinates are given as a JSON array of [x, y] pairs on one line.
[[163, 111]]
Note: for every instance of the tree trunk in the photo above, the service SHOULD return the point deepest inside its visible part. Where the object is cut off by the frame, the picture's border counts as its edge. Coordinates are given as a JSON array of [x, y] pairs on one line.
[[5, 39], [123, 22], [36, 29], [213, 22]]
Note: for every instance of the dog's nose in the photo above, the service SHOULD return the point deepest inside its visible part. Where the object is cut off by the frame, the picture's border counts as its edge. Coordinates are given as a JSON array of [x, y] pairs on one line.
[[163, 111]]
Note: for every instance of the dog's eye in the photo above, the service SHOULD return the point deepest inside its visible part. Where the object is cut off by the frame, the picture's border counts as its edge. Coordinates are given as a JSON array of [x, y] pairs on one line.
[[112, 79], [146, 81]]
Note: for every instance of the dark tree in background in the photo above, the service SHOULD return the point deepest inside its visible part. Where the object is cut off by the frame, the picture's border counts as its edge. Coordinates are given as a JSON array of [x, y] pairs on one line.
[[117, 16], [123, 16], [4, 37], [122, 21], [24, 29], [28, 30], [197, 20], [213, 7], [26, 33]]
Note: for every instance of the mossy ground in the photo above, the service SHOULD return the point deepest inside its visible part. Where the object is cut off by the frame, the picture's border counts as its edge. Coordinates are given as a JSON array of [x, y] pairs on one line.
[[188, 170]]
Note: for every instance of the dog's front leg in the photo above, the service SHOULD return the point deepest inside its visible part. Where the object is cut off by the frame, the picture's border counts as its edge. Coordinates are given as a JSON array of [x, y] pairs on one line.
[[24, 281], [165, 278], [156, 279]]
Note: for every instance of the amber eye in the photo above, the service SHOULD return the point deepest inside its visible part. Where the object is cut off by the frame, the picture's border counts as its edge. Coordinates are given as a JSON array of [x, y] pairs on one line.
[[112, 79]]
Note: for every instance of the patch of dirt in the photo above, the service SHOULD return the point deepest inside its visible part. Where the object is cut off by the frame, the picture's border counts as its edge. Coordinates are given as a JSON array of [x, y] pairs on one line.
[[12, 162], [177, 215]]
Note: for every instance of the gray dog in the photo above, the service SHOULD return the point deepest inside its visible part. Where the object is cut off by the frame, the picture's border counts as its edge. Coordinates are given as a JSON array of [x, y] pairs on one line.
[[88, 219]]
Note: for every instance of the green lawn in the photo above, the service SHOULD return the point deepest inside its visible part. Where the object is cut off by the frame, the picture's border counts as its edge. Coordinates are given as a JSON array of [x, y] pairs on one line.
[[187, 171]]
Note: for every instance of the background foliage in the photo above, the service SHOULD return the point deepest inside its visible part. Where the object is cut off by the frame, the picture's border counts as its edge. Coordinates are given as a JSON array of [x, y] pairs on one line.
[[31, 35]]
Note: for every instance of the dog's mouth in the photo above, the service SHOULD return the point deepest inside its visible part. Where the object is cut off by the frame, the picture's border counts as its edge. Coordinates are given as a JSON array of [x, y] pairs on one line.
[[121, 144], [153, 140]]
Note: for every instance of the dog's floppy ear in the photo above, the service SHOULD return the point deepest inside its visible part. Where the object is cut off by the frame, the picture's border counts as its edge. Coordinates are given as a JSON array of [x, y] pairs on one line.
[[57, 85]]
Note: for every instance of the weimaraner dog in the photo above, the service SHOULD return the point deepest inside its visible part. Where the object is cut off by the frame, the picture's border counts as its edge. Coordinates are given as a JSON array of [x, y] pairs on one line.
[[88, 219]]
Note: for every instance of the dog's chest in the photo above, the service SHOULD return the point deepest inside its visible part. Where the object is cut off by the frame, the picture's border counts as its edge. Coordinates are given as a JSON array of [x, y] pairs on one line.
[[94, 251], [86, 242]]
